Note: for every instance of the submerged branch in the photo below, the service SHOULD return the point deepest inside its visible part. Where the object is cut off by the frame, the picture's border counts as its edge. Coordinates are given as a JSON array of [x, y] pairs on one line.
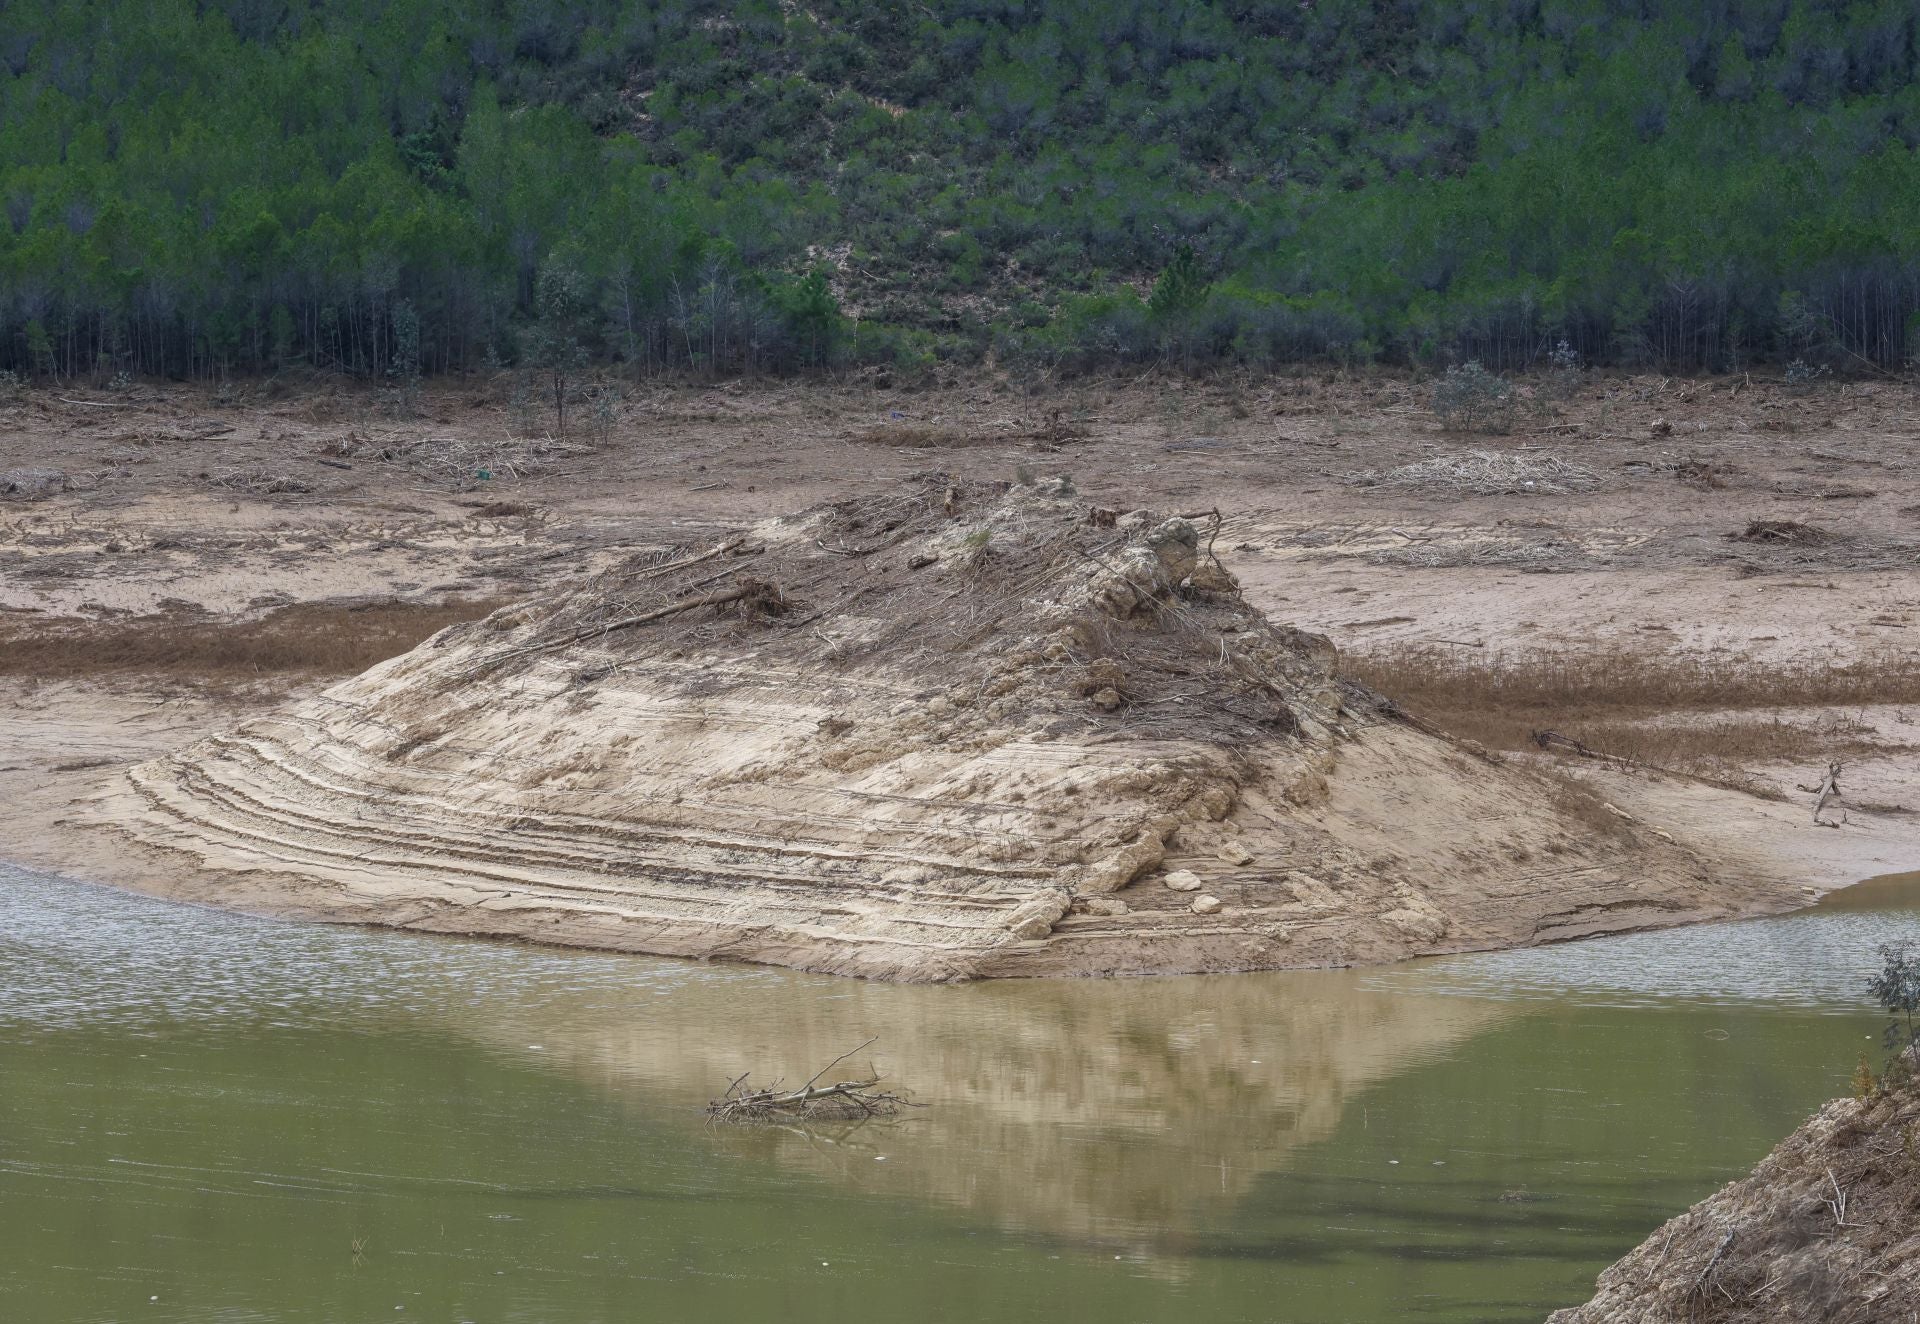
[[846, 1100]]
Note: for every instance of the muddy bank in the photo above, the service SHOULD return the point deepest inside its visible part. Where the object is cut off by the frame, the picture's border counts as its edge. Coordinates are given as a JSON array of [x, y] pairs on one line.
[[1827, 1229], [962, 730]]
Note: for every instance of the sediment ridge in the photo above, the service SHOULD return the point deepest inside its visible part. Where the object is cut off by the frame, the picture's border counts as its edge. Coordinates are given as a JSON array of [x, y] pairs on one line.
[[957, 730]]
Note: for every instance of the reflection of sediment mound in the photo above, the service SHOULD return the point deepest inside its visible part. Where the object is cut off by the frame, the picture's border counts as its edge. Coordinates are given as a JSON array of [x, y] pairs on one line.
[[1116, 1111], [954, 732]]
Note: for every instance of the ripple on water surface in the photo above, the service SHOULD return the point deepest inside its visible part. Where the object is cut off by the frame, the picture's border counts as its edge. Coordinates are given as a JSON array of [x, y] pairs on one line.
[[1816, 958]]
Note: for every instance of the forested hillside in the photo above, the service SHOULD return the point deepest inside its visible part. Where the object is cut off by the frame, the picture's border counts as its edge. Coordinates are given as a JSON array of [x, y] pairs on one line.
[[389, 187]]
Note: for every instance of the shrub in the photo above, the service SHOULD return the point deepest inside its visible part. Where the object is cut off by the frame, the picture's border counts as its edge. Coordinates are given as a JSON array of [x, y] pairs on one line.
[[1564, 373], [1897, 989], [1803, 377], [1471, 399]]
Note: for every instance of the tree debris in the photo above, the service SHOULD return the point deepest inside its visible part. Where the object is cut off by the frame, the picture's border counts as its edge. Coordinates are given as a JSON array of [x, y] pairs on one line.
[[847, 1100], [1828, 789], [1484, 473]]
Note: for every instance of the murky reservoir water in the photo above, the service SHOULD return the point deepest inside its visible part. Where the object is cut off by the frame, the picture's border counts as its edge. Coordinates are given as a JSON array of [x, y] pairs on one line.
[[210, 1118]]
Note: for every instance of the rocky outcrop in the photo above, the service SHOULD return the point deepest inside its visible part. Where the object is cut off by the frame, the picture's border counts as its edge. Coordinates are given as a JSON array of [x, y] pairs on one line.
[[958, 731], [1826, 1230]]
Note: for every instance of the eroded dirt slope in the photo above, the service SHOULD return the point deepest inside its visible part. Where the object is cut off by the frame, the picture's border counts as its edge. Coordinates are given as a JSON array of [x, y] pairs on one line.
[[1826, 1228]]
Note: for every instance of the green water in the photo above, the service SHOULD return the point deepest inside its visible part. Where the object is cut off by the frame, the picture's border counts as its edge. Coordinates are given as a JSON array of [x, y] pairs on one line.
[[203, 1116]]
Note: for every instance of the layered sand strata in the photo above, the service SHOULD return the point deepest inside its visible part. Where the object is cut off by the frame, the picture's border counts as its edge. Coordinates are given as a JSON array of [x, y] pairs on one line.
[[956, 731]]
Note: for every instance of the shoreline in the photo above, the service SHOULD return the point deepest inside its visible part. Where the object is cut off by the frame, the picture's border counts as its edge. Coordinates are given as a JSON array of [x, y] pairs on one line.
[[1768, 842]]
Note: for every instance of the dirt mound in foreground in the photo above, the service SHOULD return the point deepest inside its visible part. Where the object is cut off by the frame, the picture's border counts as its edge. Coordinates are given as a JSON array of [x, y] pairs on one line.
[[1826, 1229], [954, 731]]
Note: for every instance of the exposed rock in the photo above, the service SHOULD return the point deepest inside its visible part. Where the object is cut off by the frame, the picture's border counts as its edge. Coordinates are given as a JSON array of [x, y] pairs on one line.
[[788, 748], [1103, 682], [1211, 577], [1176, 544], [1236, 854]]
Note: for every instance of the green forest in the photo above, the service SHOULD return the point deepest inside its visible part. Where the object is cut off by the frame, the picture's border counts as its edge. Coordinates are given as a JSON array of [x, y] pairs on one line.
[[396, 187]]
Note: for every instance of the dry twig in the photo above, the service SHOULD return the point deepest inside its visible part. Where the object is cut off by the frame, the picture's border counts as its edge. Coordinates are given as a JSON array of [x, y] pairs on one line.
[[847, 1100], [1484, 473]]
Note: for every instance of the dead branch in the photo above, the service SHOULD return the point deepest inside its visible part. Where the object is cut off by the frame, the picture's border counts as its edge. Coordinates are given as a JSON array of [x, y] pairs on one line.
[[1837, 1206], [1828, 789], [847, 1100], [838, 1060], [1554, 740], [654, 572], [757, 589], [1704, 1282]]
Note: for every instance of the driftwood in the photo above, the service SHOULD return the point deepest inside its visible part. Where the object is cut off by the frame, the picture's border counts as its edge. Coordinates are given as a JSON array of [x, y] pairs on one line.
[[847, 1100], [747, 588], [1554, 740], [1828, 789]]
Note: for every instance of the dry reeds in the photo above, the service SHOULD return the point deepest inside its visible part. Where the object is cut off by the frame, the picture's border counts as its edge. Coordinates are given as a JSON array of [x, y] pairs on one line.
[[920, 436], [1688, 713], [1783, 531], [309, 639]]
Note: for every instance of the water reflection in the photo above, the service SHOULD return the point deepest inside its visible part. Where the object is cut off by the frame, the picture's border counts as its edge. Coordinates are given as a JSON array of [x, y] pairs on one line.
[[1103, 1110], [201, 1103]]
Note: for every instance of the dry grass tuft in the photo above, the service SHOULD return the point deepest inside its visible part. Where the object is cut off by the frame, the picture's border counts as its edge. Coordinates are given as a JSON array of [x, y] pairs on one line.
[[1484, 473], [1700, 715], [920, 436], [256, 479], [309, 639], [1783, 530]]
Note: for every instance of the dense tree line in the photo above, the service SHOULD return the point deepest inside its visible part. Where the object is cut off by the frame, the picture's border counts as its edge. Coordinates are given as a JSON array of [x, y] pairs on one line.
[[387, 186]]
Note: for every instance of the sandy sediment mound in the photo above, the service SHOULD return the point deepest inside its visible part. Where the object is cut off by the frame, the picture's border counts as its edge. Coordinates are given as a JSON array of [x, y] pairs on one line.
[[1826, 1229], [959, 730]]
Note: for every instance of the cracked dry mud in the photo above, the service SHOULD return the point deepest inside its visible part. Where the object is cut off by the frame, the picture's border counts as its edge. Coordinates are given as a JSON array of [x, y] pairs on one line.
[[950, 731]]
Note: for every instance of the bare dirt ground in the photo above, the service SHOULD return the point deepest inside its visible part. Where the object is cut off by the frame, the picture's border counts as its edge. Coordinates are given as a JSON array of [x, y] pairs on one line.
[[1719, 524]]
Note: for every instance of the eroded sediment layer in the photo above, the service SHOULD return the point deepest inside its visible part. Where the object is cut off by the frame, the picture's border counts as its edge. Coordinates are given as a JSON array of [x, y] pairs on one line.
[[958, 731]]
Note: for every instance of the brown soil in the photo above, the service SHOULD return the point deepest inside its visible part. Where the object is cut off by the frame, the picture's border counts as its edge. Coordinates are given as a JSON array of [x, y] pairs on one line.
[[174, 517], [1826, 1228], [306, 639]]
